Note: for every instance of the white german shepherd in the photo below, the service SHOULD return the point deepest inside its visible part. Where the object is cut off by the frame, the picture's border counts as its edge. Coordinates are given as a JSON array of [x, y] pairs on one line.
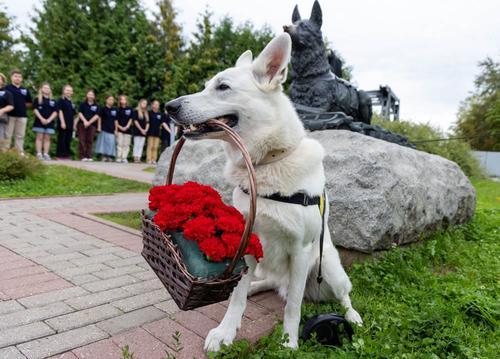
[[249, 97]]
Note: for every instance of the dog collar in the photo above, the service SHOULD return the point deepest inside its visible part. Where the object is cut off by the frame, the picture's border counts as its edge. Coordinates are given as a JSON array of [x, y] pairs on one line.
[[297, 198], [275, 155]]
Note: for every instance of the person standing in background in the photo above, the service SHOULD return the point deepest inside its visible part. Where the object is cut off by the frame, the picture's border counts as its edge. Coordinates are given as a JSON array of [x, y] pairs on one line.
[[123, 126], [106, 142], [45, 110], [17, 117], [155, 121], [141, 127], [6, 105], [86, 124], [66, 113], [166, 132]]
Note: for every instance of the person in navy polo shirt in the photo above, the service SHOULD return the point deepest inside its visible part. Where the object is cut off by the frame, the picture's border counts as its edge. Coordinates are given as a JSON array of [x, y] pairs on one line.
[[106, 144], [86, 125], [45, 110], [66, 111], [6, 105], [155, 121], [17, 117], [168, 132], [141, 127], [123, 125]]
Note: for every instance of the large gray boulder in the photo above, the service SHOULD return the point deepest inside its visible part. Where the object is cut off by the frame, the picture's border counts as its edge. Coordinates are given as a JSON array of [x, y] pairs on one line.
[[381, 194]]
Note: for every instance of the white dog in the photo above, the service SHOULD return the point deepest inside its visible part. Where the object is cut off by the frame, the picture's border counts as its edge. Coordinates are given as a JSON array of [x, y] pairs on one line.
[[249, 97]]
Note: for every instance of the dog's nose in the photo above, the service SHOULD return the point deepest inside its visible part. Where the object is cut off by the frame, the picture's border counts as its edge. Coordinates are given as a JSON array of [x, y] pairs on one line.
[[173, 106]]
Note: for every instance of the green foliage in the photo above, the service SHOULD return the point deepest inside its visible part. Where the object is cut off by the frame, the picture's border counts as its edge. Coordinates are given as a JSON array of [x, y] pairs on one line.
[[57, 180], [130, 219], [9, 57], [213, 49], [479, 114], [15, 167], [109, 46], [435, 299], [425, 136]]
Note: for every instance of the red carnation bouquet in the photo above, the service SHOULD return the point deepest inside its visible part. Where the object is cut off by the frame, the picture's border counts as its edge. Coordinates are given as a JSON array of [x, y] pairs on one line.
[[199, 212]]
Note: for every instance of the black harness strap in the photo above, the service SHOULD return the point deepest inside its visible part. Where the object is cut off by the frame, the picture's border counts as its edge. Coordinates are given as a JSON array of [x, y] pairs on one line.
[[304, 200]]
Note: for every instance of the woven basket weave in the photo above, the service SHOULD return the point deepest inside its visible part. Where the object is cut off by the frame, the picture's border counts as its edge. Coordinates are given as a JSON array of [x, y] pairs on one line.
[[166, 260]]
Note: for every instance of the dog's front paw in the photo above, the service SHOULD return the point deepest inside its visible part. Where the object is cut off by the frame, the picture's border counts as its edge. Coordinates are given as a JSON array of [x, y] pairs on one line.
[[353, 317], [292, 344], [218, 336]]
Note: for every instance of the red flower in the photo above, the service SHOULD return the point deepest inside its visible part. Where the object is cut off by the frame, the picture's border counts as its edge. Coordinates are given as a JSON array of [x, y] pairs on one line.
[[254, 247], [230, 224], [214, 249], [199, 228]]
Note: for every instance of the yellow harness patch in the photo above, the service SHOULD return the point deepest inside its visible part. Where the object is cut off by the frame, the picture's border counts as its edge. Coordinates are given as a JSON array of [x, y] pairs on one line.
[[322, 204]]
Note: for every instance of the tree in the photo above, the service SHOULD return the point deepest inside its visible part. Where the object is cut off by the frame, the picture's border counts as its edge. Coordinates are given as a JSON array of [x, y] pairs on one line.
[[479, 114], [10, 57], [105, 45]]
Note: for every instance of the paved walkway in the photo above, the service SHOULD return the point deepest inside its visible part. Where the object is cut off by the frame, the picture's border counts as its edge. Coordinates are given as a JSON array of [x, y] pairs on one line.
[[75, 286]]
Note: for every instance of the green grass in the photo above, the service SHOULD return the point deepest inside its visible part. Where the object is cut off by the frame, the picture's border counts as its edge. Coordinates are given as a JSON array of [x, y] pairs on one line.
[[150, 169], [61, 180], [130, 219], [435, 299]]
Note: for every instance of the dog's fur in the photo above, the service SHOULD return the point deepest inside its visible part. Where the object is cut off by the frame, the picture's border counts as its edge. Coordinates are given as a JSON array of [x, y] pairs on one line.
[[289, 233], [313, 83]]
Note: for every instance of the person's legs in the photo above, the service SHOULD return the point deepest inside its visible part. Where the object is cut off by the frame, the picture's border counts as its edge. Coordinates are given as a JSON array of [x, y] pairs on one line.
[[126, 146], [9, 132], [3, 129], [81, 140], [91, 130], [138, 147], [46, 145], [149, 151], [38, 143], [68, 137], [156, 143], [19, 132]]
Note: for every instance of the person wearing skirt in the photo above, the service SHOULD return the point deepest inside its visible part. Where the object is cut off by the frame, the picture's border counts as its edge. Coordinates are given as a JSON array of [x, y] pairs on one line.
[[141, 127], [106, 143]]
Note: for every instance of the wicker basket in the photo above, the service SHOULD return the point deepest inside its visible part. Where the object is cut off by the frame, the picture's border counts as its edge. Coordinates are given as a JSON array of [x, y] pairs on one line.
[[166, 260]]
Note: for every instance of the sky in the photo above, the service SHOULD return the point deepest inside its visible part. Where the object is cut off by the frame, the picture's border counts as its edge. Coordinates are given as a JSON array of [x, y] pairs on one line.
[[427, 51]]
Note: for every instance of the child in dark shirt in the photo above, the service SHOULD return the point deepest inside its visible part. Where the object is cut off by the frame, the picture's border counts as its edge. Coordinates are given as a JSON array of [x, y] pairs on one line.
[[106, 142], [45, 110]]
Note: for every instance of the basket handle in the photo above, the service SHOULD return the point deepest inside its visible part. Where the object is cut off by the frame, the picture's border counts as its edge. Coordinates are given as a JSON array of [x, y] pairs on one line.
[[238, 142]]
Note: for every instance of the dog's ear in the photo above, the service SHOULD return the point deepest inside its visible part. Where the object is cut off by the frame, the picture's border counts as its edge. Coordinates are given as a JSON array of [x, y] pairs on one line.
[[295, 14], [316, 14], [244, 59], [270, 68]]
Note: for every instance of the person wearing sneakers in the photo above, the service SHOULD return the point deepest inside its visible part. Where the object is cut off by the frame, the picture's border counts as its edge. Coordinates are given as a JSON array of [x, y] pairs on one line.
[[45, 111], [123, 125], [106, 142], [86, 125], [155, 121], [6, 105], [141, 127], [16, 127], [67, 113]]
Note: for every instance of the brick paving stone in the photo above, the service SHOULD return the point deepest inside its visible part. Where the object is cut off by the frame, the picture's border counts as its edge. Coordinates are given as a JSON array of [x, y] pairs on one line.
[[71, 272], [83, 317], [27, 280], [272, 302], [61, 342], [58, 266], [131, 320], [253, 330], [43, 287], [255, 310], [95, 299], [99, 259], [214, 311], [164, 329], [126, 261], [142, 287], [67, 355], [103, 349], [24, 333], [83, 278], [53, 258], [116, 272], [11, 353], [145, 274], [33, 314], [51, 297], [10, 306], [141, 300], [110, 283], [168, 306], [19, 263], [195, 321], [141, 343], [21, 272]]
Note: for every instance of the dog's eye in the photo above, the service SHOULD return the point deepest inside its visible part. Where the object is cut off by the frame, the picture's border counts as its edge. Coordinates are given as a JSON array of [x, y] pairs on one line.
[[223, 87]]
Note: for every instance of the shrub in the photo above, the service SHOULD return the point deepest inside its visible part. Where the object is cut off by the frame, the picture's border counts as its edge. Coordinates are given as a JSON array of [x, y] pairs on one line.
[[424, 137], [15, 167]]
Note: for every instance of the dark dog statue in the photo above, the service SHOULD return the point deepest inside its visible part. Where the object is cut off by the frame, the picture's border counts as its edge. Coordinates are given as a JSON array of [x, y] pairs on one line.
[[314, 84]]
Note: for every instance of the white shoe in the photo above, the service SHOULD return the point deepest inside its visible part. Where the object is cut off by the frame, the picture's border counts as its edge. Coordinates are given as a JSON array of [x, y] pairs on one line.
[[46, 157], [39, 156], [90, 160], [84, 159], [124, 160]]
